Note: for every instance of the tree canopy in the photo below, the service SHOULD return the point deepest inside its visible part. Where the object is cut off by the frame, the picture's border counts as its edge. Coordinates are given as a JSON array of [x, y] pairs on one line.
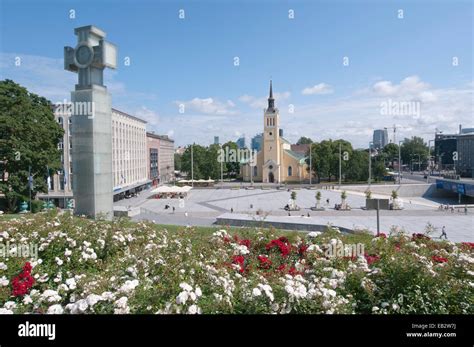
[[29, 137]]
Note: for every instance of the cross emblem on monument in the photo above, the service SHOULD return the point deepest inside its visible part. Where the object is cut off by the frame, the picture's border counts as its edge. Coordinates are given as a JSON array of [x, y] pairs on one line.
[[91, 55]]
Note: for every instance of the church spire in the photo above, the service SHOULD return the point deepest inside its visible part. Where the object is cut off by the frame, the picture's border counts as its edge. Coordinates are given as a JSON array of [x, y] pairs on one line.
[[271, 101]]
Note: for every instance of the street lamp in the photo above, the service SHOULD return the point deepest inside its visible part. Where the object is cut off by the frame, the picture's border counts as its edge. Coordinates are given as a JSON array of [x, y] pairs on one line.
[[222, 167], [370, 162], [192, 166], [310, 164], [430, 161], [399, 162], [340, 168]]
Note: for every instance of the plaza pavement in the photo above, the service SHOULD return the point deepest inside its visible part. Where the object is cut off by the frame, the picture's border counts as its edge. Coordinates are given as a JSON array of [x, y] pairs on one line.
[[203, 206]]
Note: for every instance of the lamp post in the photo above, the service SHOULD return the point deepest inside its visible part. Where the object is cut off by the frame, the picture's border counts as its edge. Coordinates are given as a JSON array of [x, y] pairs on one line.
[[192, 166], [370, 162], [222, 167], [340, 168], [429, 158], [310, 164], [399, 162]]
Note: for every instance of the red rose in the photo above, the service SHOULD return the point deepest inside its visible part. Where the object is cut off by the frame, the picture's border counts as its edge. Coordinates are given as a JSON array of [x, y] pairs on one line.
[[371, 258], [302, 249], [439, 259], [22, 283], [265, 263], [293, 271]]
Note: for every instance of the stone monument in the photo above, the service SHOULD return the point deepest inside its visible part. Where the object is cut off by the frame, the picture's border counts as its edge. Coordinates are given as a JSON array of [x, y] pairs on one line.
[[91, 132]]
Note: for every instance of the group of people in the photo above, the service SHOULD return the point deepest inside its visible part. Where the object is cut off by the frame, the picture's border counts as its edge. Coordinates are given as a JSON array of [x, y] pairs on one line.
[[451, 208]]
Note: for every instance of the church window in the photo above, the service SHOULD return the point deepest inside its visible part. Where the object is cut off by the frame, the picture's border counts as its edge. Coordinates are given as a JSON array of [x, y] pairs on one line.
[[290, 171]]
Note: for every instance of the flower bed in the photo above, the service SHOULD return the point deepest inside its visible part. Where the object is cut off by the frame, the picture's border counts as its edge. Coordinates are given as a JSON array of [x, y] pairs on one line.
[[122, 267]]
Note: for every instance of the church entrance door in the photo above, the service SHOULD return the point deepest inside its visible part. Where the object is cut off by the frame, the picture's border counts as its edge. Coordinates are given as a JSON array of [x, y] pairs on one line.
[[271, 177]]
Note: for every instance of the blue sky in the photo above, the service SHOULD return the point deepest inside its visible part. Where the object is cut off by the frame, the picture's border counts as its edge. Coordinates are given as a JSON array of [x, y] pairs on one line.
[[190, 62]]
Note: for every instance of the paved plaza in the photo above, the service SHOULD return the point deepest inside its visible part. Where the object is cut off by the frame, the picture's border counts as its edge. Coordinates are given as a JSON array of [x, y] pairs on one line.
[[203, 206]]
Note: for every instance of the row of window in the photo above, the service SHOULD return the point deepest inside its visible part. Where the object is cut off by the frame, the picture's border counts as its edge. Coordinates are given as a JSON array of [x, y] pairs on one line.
[[270, 122]]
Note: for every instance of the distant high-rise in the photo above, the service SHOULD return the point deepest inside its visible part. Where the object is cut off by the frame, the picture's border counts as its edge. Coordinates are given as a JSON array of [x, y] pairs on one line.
[[241, 142], [257, 142], [380, 138], [216, 140]]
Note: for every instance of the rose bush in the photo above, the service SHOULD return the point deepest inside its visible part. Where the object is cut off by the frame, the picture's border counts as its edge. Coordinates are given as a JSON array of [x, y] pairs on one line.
[[122, 267]]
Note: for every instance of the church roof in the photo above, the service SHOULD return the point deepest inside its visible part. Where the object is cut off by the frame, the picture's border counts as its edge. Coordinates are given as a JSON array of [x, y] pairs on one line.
[[298, 156], [285, 140]]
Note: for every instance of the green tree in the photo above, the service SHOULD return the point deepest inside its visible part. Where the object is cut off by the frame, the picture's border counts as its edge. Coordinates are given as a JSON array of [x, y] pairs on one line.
[[206, 164], [413, 147], [378, 169], [304, 141], [231, 168], [358, 166], [177, 161], [390, 153], [29, 137], [325, 158]]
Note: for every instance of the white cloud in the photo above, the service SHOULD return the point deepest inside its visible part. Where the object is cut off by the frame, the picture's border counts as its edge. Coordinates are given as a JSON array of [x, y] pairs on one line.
[[410, 87], [146, 114], [321, 88], [208, 106]]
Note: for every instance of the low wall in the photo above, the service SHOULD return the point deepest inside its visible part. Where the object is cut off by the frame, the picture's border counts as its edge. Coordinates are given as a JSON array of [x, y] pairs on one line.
[[403, 190], [275, 224]]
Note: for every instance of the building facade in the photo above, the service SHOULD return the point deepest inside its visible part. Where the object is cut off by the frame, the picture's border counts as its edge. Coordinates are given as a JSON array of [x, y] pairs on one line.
[[465, 148], [160, 158], [129, 157], [455, 152], [60, 188], [153, 148], [275, 162]]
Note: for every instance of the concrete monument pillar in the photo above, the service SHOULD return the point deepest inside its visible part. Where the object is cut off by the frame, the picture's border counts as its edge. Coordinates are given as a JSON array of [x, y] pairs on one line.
[[91, 126]]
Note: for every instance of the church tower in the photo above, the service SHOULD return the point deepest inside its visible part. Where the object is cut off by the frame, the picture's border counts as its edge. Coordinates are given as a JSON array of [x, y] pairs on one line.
[[271, 142]]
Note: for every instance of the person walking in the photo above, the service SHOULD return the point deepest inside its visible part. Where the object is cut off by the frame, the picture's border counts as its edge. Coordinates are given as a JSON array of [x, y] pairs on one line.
[[443, 233]]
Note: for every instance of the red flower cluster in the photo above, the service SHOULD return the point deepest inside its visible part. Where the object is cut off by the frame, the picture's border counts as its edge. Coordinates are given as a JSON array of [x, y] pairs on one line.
[[239, 260], [265, 263], [439, 259], [302, 249], [22, 283], [382, 235], [371, 258], [468, 244], [293, 271], [282, 244]]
